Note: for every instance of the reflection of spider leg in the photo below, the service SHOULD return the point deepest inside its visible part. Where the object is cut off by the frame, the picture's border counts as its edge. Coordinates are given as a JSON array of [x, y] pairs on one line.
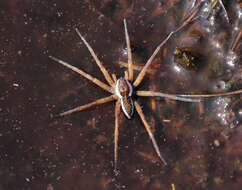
[[190, 17], [149, 62], [211, 95], [117, 112], [163, 95], [95, 103], [225, 12], [147, 127], [87, 76], [102, 68], [130, 62], [236, 40]]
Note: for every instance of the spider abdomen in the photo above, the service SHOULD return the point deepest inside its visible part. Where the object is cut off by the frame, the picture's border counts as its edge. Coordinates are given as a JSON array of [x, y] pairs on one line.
[[127, 106]]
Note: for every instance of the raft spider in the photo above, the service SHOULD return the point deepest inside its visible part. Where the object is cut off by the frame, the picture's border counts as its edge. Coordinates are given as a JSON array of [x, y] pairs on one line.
[[123, 89]]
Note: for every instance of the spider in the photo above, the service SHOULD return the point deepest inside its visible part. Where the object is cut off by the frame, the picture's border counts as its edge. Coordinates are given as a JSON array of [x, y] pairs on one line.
[[123, 90]]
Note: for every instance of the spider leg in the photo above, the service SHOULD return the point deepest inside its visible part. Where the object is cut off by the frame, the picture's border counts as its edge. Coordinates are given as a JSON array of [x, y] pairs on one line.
[[237, 39], [114, 78], [130, 62], [211, 95], [117, 112], [100, 65], [149, 62], [126, 75], [82, 73], [225, 12], [135, 67], [191, 16], [147, 127], [163, 95], [86, 106]]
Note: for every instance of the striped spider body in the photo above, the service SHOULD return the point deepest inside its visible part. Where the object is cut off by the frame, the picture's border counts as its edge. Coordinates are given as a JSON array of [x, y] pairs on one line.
[[124, 91]]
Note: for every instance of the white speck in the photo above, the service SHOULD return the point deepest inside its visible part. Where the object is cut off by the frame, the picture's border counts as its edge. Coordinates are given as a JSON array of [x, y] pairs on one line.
[[27, 179], [177, 69], [230, 63], [239, 13], [125, 51], [216, 44], [15, 84], [212, 19], [221, 85], [206, 9], [59, 14], [220, 54], [240, 112], [236, 28], [207, 29], [137, 171], [230, 59]]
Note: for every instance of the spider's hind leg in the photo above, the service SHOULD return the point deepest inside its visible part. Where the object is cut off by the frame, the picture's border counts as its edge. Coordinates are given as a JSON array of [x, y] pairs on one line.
[[86, 106], [147, 127], [116, 133]]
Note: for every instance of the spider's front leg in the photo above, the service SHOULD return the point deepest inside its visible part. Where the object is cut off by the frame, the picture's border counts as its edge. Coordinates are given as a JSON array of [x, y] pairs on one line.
[[86, 106], [130, 62], [98, 62]]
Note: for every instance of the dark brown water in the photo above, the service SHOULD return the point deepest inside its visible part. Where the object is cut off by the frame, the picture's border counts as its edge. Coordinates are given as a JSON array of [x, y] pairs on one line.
[[200, 141]]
